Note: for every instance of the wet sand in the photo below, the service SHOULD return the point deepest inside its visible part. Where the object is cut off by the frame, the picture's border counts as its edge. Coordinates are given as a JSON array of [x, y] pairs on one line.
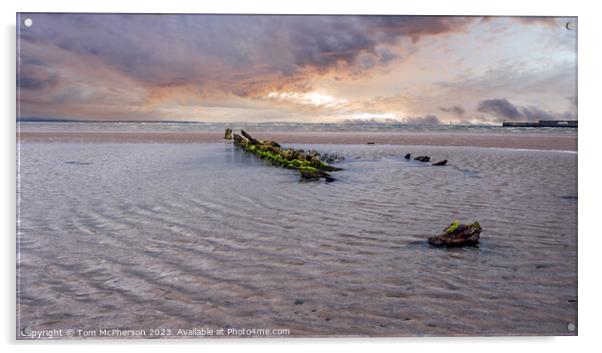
[[176, 236], [534, 141]]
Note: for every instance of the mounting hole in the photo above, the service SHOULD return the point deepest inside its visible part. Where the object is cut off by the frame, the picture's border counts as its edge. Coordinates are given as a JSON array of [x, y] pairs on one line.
[[28, 22], [571, 327]]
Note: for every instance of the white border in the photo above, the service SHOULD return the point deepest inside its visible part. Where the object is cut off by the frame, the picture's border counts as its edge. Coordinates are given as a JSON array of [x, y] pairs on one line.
[[589, 176]]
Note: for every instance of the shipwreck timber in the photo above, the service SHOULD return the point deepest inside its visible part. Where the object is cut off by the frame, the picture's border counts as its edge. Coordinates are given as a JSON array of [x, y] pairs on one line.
[[310, 165]]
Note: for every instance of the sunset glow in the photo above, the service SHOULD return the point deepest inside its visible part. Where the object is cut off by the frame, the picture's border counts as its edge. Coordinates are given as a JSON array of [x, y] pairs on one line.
[[216, 68]]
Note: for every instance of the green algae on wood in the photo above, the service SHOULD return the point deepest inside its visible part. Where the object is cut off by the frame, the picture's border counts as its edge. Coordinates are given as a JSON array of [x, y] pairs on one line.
[[452, 227], [457, 234], [308, 163]]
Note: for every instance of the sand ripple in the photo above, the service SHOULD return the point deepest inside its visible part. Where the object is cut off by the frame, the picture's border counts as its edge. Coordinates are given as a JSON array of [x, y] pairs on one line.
[[202, 235]]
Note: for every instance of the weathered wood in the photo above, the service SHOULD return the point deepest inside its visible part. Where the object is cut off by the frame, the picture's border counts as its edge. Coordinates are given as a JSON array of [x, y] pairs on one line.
[[239, 140], [422, 158], [249, 137], [308, 163]]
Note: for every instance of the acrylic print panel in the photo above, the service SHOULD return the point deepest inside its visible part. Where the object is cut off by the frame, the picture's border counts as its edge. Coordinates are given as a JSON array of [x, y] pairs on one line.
[[205, 176]]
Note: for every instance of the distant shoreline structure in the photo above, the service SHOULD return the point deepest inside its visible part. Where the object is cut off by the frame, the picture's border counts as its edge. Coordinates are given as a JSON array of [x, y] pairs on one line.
[[542, 123]]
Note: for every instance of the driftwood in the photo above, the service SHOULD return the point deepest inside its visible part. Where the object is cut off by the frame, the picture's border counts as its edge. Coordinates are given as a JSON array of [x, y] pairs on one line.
[[310, 165], [457, 235]]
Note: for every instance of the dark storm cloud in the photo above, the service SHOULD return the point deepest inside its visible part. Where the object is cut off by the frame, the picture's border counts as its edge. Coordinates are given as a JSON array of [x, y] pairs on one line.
[[503, 110], [230, 53], [325, 42], [499, 108], [454, 109]]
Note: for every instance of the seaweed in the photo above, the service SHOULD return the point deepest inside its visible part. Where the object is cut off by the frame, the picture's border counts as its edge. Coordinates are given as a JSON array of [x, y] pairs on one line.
[[452, 227]]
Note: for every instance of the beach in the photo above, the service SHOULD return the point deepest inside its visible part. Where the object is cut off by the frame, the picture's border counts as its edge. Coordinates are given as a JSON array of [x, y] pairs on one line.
[[176, 230], [548, 141]]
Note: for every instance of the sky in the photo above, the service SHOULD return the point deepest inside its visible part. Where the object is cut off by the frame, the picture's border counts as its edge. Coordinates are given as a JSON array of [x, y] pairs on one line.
[[311, 69]]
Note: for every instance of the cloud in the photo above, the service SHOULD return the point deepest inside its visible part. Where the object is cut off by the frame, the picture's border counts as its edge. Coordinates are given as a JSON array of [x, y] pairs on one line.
[[306, 101], [573, 101], [500, 108], [422, 120], [36, 78], [454, 109], [543, 20], [302, 68], [240, 55], [503, 110], [534, 114], [384, 120], [555, 78], [527, 20]]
